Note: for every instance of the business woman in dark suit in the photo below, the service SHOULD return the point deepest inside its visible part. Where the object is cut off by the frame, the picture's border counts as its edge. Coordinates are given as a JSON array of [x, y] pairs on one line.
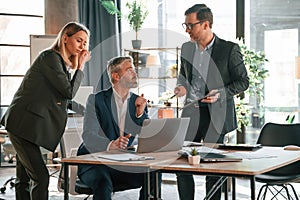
[[37, 114], [112, 119], [211, 68]]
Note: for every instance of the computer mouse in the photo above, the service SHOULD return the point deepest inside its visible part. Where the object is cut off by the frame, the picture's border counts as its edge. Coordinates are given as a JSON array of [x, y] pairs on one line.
[[291, 147]]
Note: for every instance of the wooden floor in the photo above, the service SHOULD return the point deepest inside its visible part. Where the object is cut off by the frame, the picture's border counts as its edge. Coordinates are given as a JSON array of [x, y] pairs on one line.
[[169, 188]]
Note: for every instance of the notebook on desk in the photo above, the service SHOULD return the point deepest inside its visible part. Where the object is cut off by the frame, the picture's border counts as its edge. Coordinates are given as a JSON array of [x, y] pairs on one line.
[[166, 134], [124, 156]]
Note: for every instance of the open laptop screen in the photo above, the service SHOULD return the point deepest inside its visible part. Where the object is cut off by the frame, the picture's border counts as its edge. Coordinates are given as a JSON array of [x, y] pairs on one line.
[[165, 134]]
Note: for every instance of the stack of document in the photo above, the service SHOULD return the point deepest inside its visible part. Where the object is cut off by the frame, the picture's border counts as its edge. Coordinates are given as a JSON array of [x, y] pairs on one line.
[[125, 157]]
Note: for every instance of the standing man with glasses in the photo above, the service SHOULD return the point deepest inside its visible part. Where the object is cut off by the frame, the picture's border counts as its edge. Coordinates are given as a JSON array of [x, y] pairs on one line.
[[212, 70]]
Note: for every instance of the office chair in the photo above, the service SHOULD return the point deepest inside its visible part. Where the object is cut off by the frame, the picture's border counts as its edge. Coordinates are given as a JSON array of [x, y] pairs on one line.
[[10, 153], [279, 180], [9, 150]]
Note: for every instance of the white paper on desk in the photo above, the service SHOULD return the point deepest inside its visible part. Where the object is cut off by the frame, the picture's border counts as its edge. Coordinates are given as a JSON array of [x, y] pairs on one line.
[[250, 155], [192, 144], [125, 157]]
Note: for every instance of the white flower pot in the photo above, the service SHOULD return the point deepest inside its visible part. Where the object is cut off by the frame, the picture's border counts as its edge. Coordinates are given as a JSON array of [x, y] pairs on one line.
[[194, 160]]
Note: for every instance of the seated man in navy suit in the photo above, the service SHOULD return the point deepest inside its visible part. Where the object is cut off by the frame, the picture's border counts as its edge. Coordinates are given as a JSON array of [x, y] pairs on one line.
[[112, 119]]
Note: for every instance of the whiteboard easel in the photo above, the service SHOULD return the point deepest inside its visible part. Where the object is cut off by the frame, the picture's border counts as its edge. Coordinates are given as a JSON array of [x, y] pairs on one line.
[[38, 43]]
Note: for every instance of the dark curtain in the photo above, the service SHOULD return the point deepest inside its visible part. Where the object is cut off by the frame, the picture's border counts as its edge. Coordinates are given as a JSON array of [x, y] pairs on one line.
[[104, 41]]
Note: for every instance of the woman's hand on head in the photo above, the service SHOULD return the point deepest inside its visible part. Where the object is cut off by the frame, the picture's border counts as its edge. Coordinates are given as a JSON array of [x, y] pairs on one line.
[[84, 56]]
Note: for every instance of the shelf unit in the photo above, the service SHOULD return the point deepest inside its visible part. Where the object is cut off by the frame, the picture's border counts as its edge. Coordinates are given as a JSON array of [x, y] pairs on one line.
[[155, 76]]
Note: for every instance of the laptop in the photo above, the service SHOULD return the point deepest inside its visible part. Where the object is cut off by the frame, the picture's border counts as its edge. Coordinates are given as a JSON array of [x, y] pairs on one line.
[[246, 147], [218, 157], [164, 134], [212, 157]]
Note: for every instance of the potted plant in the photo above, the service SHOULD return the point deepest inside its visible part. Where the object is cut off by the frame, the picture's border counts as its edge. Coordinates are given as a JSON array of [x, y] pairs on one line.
[[136, 17], [194, 156], [243, 120], [254, 62]]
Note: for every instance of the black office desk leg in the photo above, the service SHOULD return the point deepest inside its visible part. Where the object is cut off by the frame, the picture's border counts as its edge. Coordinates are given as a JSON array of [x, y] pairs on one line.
[[252, 182], [225, 186], [147, 192], [66, 181], [233, 188], [156, 186]]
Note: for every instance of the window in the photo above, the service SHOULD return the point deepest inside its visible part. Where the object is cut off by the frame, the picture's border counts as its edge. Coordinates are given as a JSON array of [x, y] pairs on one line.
[[163, 27], [18, 19], [274, 28], [281, 89]]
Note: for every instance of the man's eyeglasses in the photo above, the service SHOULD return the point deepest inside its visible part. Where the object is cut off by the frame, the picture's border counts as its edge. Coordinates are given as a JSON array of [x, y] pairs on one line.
[[190, 26]]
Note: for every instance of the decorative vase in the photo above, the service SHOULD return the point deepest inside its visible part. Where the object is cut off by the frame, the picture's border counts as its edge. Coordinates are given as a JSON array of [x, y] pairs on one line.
[[194, 160], [136, 44]]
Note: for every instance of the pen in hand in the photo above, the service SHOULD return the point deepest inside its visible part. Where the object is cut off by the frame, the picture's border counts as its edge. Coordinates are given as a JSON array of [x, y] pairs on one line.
[[172, 96]]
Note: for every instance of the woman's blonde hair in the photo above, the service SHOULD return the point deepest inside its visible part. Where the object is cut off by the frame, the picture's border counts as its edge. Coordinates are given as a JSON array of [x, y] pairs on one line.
[[69, 29]]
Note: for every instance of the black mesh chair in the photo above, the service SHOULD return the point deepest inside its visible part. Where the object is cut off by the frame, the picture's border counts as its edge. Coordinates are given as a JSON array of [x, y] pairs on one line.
[[278, 182], [10, 152]]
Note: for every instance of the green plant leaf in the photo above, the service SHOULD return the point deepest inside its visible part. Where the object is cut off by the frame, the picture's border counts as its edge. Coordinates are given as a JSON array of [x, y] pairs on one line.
[[110, 7], [194, 151], [255, 64]]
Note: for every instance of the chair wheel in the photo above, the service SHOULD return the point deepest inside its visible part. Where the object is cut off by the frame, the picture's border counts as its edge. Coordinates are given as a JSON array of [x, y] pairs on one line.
[[12, 184], [3, 189]]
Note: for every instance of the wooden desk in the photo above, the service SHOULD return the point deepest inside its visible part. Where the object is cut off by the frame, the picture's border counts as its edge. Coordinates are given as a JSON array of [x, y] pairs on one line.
[[169, 162], [247, 168], [132, 166]]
